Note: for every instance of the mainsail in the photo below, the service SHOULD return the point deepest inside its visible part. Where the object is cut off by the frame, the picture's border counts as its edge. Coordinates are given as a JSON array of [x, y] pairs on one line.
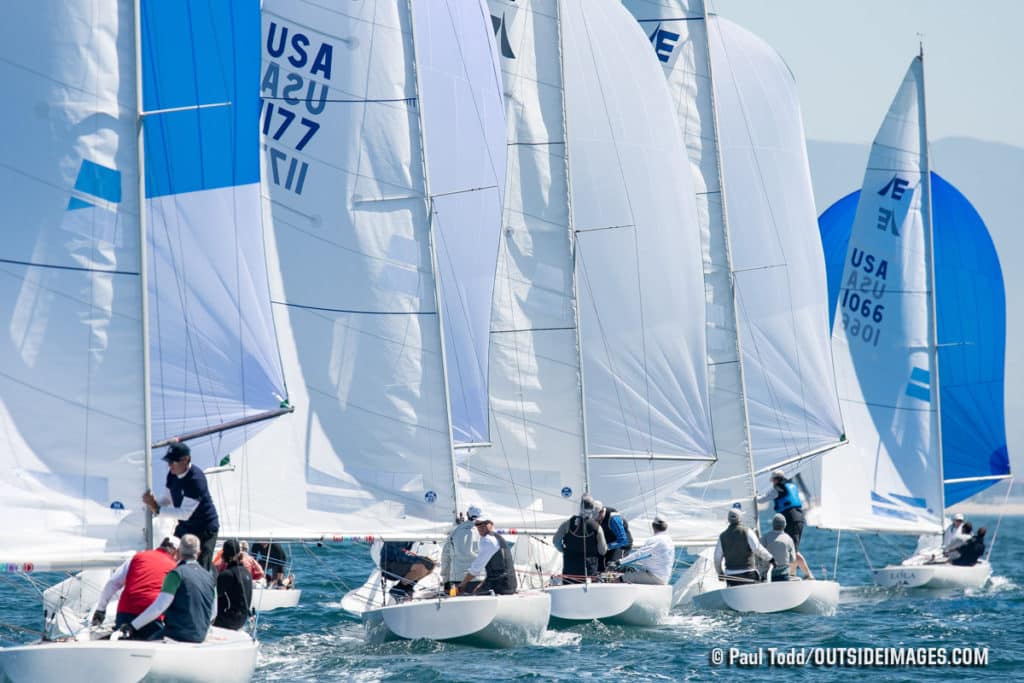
[[534, 472], [884, 339], [384, 176], [970, 310], [73, 393], [772, 388], [637, 259]]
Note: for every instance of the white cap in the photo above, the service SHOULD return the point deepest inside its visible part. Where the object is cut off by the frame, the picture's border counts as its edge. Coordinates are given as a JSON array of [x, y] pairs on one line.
[[958, 517], [172, 541], [778, 473], [473, 511]]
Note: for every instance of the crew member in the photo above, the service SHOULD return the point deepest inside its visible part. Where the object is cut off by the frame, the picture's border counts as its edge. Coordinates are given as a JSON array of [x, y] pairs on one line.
[[651, 562], [616, 533], [141, 577], [582, 544], [234, 589], [495, 557], [461, 548], [739, 548], [785, 495], [188, 500]]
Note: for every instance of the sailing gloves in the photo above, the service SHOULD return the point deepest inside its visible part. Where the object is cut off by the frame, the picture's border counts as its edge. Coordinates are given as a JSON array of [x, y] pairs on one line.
[[97, 617]]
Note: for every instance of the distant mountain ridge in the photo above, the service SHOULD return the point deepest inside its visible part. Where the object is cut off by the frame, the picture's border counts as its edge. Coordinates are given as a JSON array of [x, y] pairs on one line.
[[991, 176]]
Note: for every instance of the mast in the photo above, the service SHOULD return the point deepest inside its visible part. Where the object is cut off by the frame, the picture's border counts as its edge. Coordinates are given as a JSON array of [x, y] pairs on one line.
[[143, 277], [572, 247], [929, 247], [438, 303], [732, 275]]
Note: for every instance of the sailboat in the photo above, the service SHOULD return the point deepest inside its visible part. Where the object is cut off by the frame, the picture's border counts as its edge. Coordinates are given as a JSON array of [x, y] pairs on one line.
[[592, 268], [919, 338], [385, 149], [134, 282], [771, 383]]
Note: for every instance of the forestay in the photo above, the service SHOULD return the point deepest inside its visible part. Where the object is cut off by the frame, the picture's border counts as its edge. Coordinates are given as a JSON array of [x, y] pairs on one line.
[[971, 310], [71, 387], [890, 476], [345, 115], [638, 273], [533, 474]]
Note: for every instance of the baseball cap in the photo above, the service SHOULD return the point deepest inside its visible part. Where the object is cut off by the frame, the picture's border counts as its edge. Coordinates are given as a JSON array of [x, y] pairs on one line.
[[778, 473], [958, 517], [659, 523], [734, 515], [472, 512], [177, 452]]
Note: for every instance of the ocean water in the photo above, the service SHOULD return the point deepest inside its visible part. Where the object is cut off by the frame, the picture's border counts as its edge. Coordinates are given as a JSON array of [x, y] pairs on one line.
[[319, 642]]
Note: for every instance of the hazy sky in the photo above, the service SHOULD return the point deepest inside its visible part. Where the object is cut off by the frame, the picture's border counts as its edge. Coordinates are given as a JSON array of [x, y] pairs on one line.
[[849, 57]]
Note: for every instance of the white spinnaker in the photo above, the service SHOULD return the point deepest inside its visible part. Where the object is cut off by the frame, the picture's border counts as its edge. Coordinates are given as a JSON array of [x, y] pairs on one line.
[[639, 279], [777, 260], [368, 450], [533, 474], [463, 116], [71, 389], [889, 478]]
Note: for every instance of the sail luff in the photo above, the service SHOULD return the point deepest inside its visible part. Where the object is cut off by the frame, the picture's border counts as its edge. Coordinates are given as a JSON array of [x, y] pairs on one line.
[[731, 273], [929, 245], [143, 261], [432, 247], [574, 292]]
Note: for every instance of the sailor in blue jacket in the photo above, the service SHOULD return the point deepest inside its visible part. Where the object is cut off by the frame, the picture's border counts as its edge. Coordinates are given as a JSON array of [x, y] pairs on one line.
[[616, 533], [187, 499], [785, 495]]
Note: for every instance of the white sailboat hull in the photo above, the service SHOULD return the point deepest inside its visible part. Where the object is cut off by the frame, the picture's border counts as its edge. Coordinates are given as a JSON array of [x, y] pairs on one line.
[[933, 576], [808, 597], [269, 599], [619, 603], [226, 656], [486, 621]]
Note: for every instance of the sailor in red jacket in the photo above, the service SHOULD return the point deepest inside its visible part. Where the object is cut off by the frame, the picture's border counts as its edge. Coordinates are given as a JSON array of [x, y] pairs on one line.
[[141, 578]]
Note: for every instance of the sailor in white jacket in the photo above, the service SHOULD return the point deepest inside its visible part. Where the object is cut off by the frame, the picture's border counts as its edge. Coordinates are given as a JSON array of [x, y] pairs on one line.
[[652, 562], [461, 548]]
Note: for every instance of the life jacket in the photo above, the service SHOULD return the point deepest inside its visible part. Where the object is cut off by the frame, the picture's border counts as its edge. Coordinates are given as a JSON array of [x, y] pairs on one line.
[[580, 556], [501, 570], [204, 521], [788, 497], [609, 535], [736, 549], [188, 617], [145, 577]]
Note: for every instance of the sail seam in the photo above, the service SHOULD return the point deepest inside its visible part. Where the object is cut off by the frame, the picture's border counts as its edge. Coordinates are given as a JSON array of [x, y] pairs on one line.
[[54, 266]]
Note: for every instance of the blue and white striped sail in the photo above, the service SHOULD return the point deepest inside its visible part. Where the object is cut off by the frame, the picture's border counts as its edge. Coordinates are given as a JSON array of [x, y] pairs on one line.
[[971, 317], [355, 99], [71, 373], [213, 350], [889, 478], [638, 264], [772, 388]]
